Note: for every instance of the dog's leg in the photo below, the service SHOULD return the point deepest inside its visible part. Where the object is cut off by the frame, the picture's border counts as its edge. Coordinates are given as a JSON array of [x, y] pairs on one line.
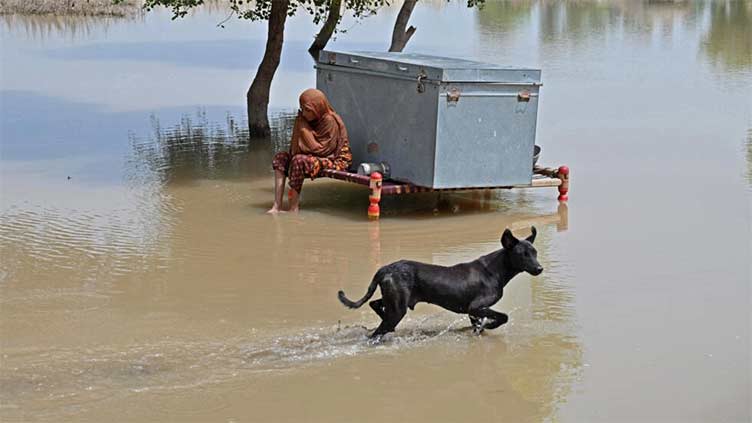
[[378, 307], [381, 330], [393, 313], [482, 315], [387, 325]]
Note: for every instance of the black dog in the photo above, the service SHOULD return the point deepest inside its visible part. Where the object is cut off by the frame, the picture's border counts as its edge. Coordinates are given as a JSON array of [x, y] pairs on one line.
[[470, 288]]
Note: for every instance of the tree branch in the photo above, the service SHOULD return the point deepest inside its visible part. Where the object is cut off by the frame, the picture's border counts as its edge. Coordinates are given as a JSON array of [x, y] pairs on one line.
[[335, 13], [400, 35]]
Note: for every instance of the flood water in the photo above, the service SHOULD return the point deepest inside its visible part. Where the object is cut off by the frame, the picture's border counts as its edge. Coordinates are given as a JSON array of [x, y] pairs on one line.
[[141, 280]]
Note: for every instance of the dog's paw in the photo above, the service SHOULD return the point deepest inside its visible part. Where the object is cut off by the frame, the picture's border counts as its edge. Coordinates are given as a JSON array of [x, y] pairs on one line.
[[480, 325], [378, 339]]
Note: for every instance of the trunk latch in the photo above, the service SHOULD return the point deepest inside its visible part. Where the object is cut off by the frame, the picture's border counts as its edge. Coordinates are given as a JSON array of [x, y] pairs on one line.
[[453, 95], [421, 85]]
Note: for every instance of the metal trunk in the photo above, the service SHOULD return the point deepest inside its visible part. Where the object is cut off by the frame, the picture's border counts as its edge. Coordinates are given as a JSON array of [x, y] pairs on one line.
[[438, 122]]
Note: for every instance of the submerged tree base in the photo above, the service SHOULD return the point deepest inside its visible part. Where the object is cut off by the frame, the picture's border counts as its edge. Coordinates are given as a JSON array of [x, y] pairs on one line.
[[71, 7]]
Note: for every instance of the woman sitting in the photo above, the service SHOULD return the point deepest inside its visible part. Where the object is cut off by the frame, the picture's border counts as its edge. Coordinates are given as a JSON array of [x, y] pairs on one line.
[[319, 141]]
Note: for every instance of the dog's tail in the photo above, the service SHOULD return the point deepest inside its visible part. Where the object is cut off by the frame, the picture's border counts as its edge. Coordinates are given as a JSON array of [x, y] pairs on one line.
[[369, 293]]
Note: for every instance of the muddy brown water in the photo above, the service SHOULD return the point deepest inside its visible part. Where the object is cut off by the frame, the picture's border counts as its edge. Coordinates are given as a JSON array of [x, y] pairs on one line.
[[140, 279]]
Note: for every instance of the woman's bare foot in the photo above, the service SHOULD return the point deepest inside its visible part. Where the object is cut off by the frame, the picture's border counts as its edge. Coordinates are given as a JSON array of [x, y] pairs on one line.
[[275, 209]]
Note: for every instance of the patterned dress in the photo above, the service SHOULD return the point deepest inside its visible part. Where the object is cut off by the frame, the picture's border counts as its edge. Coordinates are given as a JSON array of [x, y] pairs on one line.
[[300, 166]]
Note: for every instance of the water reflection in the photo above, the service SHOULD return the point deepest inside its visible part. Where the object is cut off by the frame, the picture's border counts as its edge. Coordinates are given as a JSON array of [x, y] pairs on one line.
[[729, 39], [504, 16], [196, 148], [590, 19], [577, 20], [749, 156], [41, 27]]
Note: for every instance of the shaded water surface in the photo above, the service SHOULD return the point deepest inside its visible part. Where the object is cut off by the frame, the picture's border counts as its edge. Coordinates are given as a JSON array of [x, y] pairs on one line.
[[140, 279]]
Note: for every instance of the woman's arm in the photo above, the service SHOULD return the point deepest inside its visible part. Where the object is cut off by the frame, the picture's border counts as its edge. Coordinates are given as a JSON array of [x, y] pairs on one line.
[[294, 146]]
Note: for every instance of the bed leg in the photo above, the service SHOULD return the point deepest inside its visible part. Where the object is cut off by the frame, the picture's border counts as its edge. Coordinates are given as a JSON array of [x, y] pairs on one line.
[[375, 197], [563, 174]]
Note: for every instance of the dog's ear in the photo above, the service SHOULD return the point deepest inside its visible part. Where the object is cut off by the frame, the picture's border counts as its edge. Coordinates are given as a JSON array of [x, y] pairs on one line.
[[531, 238], [508, 240]]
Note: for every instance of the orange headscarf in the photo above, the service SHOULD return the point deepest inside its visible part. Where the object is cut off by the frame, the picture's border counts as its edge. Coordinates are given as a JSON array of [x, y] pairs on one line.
[[322, 137]]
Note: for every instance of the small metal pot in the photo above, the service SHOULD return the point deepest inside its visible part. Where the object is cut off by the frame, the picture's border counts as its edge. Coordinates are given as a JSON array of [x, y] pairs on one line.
[[368, 168]]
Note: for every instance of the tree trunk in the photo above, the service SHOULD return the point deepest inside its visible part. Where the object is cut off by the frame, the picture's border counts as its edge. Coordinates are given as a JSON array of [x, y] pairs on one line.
[[257, 98], [327, 30], [400, 35]]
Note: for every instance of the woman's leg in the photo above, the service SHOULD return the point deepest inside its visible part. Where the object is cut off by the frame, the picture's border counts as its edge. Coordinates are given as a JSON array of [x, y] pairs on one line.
[[280, 163], [279, 192], [297, 175], [302, 166], [294, 201]]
